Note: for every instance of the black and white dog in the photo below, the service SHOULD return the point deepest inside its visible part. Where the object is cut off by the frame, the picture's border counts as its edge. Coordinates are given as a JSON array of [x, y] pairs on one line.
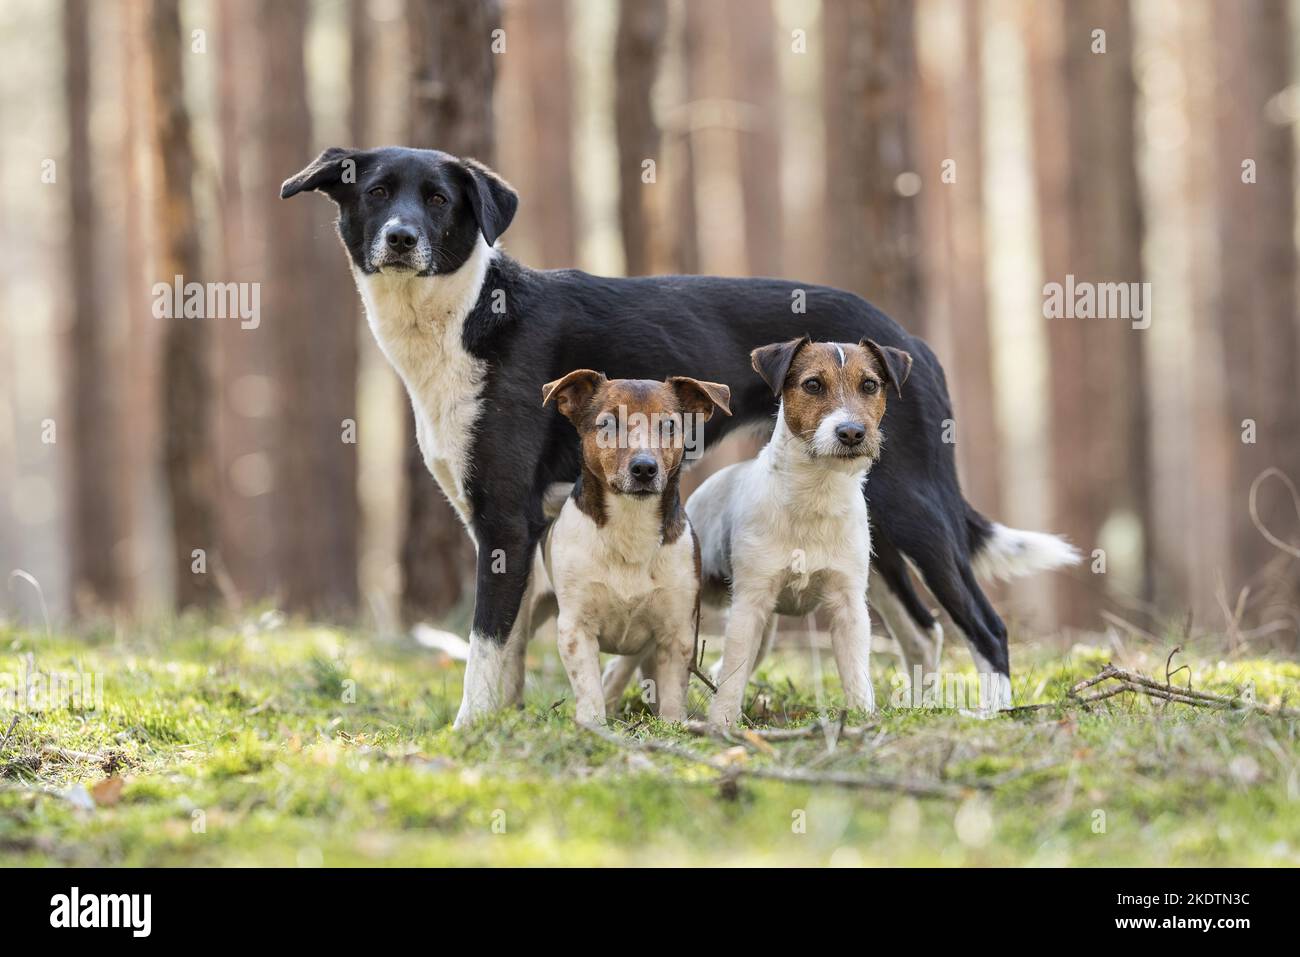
[[474, 335]]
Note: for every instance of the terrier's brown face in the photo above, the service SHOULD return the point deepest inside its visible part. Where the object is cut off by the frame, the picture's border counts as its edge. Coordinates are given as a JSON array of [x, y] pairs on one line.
[[635, 432], [833, 394]]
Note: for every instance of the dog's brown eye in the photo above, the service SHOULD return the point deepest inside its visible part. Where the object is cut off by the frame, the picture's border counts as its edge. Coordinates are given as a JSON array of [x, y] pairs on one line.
[[378, 192], [437, 199], [812, 386], [870, 386]]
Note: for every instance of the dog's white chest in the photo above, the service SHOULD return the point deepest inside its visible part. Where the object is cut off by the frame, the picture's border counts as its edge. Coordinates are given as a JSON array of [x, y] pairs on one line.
[[625, 588], [419, 323]]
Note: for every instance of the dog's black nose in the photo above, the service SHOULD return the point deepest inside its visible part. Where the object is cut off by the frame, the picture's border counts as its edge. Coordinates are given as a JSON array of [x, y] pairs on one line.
[[643, 468], [402, 238], [851, 433]]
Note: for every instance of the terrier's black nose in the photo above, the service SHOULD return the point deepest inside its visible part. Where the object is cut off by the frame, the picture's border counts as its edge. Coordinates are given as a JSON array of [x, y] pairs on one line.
[[851, 433], [643, 468], [402, 238]]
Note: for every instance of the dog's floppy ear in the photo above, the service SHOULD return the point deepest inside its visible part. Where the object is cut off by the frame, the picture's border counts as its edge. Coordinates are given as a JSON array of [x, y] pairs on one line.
[[493, 200], [773, 362], [334, 168], [702, 397], [572, 392], [897, 363]]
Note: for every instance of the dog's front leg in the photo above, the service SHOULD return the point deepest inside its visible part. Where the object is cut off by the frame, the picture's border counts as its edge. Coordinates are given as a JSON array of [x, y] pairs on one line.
[[500, 628], [672, 659], [851, 642], [745, 624], [617, 674], [580, 653]]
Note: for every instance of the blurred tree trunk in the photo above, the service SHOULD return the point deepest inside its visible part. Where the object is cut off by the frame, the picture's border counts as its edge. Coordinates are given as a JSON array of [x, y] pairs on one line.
[[312, 337], [684, 256], [638, 52], [452, 75], [714, 121], [245, 433], [1256, 307], [9, 539], [338, 307], [755, 78], [99, 580], [975, 394], [869, 97], [546, 58], [186, 379], [140, 399], [1090, 225], [361, 38], [1198, 550], [953, 206]]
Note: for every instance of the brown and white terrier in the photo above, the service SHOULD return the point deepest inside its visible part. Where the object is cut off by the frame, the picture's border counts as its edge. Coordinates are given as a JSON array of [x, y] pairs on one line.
[[787, 533], [621, 557]]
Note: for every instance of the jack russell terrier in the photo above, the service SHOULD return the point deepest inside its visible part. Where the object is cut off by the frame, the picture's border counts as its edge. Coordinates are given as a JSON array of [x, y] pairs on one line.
[[621, 556], [788, 531]]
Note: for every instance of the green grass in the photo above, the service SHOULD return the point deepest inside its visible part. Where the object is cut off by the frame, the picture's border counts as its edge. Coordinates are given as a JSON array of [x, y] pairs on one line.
[[307, 746]]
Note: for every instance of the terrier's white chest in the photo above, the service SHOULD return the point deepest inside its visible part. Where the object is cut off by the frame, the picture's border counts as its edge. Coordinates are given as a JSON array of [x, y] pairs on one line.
[[622, 584]]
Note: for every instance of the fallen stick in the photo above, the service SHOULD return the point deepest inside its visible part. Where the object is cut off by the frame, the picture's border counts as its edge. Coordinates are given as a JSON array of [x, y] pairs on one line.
[[52, 751], [1103, 695], [704, 729], [733, 771], [1132, 681], [12, 724]]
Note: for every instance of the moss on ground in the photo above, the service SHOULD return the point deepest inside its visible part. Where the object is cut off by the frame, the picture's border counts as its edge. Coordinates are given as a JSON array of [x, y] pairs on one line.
[[312, 746]]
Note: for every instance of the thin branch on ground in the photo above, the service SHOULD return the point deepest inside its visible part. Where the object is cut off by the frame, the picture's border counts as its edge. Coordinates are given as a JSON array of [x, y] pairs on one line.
[[731, 770], [1136, 683], [12, 724], [68, 754], [705, 730]]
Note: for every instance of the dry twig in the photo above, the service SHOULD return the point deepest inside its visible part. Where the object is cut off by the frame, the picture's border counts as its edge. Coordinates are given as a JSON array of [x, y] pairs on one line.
[[1132, 681], [12, 724], [731, 771]]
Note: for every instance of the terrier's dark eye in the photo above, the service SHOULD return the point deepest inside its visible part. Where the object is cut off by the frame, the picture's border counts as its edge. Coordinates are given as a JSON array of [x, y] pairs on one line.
[[437, 199], [870, 386], [378, 192], [812, 386]]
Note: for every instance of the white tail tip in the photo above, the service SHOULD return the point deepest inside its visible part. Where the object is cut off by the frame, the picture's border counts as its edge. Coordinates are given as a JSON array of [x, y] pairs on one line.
[[452, 645], [1010, 553]]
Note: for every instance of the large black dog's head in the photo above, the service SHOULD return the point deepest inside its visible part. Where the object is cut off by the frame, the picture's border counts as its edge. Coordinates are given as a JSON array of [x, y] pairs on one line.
[[406, 210]]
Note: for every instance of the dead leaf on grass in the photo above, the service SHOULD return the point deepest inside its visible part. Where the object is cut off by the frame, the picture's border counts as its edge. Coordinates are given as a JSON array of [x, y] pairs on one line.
[[108, 791]]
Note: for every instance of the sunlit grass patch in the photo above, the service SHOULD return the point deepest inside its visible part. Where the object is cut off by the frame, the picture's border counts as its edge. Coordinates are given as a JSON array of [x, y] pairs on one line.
[[308, 746]]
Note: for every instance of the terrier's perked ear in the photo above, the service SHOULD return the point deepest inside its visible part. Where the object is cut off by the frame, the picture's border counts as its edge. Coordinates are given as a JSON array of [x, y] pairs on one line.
[[701, 397], [572, 392], [897, 363], [773, 362]]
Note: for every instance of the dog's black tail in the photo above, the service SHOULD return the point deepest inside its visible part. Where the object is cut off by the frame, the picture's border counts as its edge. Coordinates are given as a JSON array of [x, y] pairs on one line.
[[998, 552]]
